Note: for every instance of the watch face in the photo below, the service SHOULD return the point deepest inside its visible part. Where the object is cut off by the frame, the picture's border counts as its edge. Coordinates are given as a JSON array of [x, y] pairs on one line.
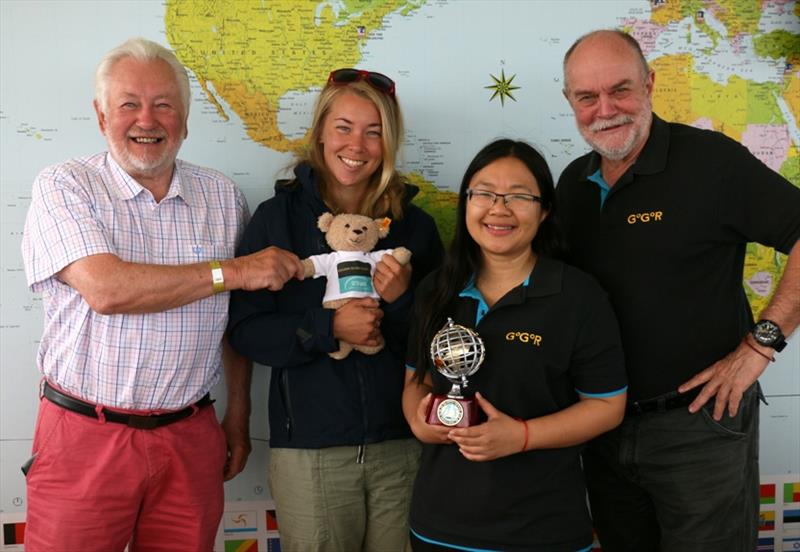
[[767, 333]]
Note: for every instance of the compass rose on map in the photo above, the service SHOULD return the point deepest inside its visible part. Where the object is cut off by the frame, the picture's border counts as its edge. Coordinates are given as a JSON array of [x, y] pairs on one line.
[[502, 87]]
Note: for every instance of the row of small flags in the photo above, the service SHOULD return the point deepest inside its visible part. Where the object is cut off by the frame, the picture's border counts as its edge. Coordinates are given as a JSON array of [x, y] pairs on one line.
[[243, 522], [766, 518], [767, 544], [791, 515], [240, 523], [235, 522], [791, 493]]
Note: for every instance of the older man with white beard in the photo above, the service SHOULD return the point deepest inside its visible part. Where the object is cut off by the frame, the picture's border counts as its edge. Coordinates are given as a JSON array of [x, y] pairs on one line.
[[132, 252], [661, 214]]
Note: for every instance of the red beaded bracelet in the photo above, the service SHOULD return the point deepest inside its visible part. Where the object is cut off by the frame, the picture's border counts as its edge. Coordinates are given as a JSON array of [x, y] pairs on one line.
[[525, 425], [771, 359]]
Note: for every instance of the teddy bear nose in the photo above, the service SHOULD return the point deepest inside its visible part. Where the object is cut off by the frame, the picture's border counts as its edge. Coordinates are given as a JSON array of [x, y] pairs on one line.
[[358, 232]]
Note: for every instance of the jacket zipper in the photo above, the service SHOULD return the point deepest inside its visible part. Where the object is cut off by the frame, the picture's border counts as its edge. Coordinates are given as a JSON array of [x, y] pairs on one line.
[[287, 403], [363, 394]]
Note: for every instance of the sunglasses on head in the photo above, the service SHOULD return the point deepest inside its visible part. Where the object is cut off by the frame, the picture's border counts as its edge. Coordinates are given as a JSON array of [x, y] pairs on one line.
[[378, 81]]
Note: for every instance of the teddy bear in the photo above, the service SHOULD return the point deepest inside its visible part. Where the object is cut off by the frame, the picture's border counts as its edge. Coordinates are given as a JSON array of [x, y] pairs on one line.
[[349, 268]]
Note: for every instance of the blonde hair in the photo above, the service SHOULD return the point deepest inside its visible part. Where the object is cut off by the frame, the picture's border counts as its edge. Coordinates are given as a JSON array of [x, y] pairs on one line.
[[386, 187]]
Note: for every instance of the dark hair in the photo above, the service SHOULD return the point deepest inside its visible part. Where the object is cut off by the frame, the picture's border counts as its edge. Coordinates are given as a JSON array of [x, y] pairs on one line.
[[463, 259]]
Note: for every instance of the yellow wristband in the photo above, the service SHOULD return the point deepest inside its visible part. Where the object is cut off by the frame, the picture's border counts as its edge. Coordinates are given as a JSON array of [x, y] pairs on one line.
[[217, 278]]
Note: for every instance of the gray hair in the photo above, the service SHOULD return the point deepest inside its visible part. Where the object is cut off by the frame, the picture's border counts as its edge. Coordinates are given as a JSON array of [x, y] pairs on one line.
[[139, 49], [625, 37]]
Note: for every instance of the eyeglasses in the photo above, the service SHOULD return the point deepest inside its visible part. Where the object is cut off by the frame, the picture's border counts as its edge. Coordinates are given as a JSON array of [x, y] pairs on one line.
[[516, 202], [378, 81]]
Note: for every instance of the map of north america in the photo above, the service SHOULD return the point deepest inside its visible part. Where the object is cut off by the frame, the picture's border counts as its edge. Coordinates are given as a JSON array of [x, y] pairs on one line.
[[727, 65]]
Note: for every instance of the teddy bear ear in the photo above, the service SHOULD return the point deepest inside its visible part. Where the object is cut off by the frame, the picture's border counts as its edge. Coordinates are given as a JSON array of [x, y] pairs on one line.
[[324, 221], [383, 226]]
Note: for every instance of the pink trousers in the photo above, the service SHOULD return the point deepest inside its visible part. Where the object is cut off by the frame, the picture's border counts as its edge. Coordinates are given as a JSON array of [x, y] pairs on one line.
[[99, 486]]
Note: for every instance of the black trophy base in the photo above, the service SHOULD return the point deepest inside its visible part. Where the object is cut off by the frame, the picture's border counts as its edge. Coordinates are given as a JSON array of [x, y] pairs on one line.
[[454, 411]]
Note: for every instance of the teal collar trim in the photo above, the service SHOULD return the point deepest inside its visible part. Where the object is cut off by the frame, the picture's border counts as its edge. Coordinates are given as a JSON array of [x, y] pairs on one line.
[[597, 178], [470, 291], [452, 546]]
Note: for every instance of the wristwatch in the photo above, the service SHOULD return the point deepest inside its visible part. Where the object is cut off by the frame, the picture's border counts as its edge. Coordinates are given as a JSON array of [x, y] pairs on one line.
[[768, 334]]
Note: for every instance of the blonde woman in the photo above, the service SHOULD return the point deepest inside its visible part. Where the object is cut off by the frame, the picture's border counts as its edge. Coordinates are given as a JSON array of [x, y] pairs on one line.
[[342, 459]]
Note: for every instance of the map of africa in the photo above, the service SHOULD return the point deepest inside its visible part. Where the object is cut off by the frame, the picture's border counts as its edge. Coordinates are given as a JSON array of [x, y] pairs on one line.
[[467, 71]]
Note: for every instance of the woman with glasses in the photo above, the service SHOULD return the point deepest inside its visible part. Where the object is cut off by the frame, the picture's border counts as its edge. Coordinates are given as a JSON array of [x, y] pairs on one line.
[[551, 379], [342, 458]]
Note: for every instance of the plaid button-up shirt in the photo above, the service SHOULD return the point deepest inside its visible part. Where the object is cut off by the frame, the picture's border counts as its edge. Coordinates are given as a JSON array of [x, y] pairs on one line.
[[89, 206]]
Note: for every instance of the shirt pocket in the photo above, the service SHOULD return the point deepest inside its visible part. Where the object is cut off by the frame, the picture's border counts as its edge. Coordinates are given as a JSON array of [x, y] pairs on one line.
[[194, 251]]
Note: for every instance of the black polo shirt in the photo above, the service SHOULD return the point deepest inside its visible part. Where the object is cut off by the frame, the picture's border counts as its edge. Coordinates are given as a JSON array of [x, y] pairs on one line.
[[545, 342], [668, 244]]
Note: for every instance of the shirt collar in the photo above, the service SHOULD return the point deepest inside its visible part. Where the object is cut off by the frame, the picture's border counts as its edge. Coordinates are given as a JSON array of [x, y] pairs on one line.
[[544, 279], [653, 157], [597, 178], [128, 188], [470, 291]]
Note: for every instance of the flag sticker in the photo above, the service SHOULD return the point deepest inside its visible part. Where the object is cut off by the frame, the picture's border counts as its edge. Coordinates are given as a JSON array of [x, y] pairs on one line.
[[767, 493], [766, 544], [791, 516], [274, 544], [791, 492], [766, 521], [248, 545], [14, 533], [790, 543], [240, 522], [272, 520]]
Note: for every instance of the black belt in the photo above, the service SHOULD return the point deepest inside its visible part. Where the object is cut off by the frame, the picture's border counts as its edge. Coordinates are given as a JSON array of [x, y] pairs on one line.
[[131, 420], [663, 403]]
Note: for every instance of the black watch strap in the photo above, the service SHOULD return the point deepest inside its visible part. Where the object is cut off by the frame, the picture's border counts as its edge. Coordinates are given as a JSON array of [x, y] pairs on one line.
[[769, 334]]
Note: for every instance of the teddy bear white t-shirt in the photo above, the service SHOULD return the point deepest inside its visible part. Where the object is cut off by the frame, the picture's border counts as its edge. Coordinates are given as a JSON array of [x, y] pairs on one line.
[[349, 273]]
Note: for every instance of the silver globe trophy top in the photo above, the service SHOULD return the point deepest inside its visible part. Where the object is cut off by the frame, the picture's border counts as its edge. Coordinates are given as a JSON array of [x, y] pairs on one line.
[[457, 353]]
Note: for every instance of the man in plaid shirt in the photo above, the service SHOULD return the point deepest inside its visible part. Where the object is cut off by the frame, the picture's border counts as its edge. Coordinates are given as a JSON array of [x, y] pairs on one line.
[[132, 251]]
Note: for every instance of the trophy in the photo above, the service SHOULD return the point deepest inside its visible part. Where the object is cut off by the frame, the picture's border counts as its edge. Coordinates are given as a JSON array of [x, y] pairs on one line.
[[457, 353]]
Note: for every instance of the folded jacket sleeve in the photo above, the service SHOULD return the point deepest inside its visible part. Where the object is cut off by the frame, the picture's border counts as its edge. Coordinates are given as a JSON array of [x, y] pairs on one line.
[[265, 327]]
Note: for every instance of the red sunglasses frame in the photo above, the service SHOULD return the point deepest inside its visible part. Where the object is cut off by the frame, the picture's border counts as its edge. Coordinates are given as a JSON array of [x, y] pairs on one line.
[[378, 81]]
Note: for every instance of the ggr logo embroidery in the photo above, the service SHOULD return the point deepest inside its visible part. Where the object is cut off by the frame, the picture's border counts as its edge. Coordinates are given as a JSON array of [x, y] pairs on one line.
[[525, 337], [654, 216]]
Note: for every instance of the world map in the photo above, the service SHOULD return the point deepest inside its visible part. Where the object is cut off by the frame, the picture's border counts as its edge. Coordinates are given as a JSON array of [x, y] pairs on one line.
[[732, 66], [467, 72]]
